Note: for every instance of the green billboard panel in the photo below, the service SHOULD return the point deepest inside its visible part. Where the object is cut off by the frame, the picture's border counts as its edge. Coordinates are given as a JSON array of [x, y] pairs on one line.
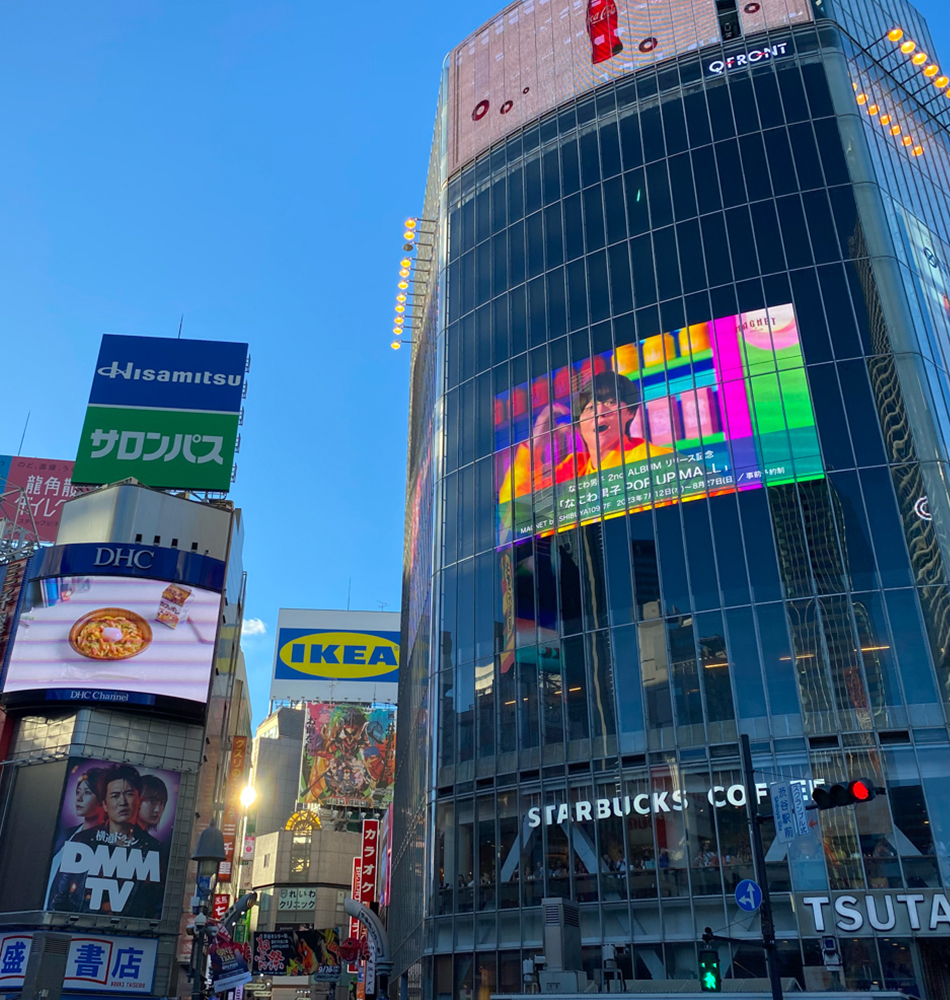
[[166, 449]]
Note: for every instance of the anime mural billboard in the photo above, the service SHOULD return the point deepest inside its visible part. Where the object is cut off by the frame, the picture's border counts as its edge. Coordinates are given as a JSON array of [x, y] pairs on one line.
[[349, 755]]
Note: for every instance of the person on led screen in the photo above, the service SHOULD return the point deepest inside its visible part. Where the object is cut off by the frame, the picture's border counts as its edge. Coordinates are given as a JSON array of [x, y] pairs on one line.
[[606, 410]]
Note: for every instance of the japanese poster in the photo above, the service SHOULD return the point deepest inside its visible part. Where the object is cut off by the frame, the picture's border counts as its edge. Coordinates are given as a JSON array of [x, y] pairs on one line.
[[298, 953], [47, 483], [112, 839], [95, 963], [348, 755], [708, 409]]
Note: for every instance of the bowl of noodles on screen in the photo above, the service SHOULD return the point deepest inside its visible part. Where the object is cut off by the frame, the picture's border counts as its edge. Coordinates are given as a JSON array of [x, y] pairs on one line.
[[110, 634]]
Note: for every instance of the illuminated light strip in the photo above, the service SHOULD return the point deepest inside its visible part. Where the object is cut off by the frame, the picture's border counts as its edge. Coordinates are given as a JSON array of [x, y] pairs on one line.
[[919, 58], [885, 119]]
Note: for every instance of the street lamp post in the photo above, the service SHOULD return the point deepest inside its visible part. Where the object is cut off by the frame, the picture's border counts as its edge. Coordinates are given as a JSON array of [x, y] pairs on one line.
[[209, 853]]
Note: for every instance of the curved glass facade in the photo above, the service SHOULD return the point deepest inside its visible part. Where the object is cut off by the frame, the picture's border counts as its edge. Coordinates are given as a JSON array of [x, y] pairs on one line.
[[677, 473]]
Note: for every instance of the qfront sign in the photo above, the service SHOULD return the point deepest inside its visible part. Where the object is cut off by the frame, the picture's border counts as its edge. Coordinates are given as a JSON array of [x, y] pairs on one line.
[[164, 412], [921, 911], [743, 60]]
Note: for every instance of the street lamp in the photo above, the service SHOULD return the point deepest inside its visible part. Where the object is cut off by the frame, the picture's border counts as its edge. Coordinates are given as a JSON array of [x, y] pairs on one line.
[[248, 797], [208, 853]]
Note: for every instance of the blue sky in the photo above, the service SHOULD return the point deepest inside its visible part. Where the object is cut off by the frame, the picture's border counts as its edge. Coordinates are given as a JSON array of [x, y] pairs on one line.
[[248, 164]]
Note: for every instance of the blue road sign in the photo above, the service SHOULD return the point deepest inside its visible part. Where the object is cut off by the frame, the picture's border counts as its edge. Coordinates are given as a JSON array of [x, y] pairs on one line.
[[748, 895]]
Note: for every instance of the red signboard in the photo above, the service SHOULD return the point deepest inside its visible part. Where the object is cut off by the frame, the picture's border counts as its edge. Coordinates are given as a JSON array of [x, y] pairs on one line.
[[354, 930], [48, 484], [232, 812], [370, 861], [219, 905]]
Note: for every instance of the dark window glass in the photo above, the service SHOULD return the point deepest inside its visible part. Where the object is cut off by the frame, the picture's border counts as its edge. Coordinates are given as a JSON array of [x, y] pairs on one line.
[[790, 541], [652, 130], [534, 232], [806, 156], [482, 215], [573, 227], [765, 227], [697, 119], [499, 245], [853, 530], [468, 225], [654, 669], [672, 561], [729, 557], [743, 104], [691, 260], [575, 676], [570, 168], [590, 158], [768, 100], [672, 314], [707, 180], [834, 292], [730, 172], [597, 287], [638, 216], [537, 328], [594, 584], [450, 518], [482, 273], [715, 249], [567, 121], [816, 86], [684, 672], [878, 654], [779, 155], [826, 563], [577, 294], [848, 684], [602, 710], [644, 279], [484, 596], [452, 345], [626, 95], [516, 257], [529, 727], [630, 141], [720, 111], [610, 149], [553, 241], [794, 232], [777, 659], [674, 125], [757, 530], [532, 184], [629, 685], [755, 167], [550, 177], [621, 290], [557, 305], [832, 155], [911, 650], [499, 326], [821, 227], [750, 295], [515, 195], [750, 693], [862, 417], [811, 318], [846, 221], [619, 582], [711, 643], [699, 556], [885, 528], [499, 205], [646, 575], [519, 320], [793, 93], [741, 243], [569, 582], [667, 270], [681, 186], [455, 233], [615, 212], [465, 636], [593, 219], [658, 186], [724, 300], [484, 421], [467, 283]]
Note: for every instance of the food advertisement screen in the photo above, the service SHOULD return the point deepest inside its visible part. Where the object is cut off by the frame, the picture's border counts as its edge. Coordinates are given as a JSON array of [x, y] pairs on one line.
[[708, 409], [537, 54], [116, 639], [112, 839]]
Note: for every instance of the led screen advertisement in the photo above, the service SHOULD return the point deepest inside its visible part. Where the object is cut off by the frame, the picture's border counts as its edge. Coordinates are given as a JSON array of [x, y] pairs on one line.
[[349, 756], [163, 411], [708, 409], [536, 55], [313, 953], [110, 853], [128, 625]]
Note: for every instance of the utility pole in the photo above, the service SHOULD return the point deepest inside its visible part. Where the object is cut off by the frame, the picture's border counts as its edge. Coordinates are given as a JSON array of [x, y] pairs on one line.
[[758, 858]]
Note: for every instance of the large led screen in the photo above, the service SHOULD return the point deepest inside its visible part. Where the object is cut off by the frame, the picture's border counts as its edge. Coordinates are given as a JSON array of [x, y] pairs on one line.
[[113, 639], [112, 839], [708, 409], [537, 54], [349, 756]]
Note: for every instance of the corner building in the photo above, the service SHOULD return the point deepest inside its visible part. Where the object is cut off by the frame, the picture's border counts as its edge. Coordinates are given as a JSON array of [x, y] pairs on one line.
[[677, 472]]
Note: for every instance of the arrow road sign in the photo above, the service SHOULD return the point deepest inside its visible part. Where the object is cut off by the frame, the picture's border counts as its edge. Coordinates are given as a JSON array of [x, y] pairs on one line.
[[748, 895]]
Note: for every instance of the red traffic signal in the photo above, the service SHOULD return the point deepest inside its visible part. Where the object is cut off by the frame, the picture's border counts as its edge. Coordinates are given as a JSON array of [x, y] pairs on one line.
[[857, 791]]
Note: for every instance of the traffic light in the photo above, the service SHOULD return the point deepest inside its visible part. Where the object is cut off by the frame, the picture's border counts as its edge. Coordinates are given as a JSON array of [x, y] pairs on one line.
[[853, 793], [710, 978]]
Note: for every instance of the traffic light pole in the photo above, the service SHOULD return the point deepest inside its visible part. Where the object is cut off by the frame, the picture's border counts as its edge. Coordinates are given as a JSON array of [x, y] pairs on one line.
[[758, 858]]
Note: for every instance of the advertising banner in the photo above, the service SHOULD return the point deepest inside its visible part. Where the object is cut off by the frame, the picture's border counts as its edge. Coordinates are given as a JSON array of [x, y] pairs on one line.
[[96, 633], [112, 839], [298, 953], [229, 961], [163, 411], [349, 756], [709, 409], [232, 812], [96, 963], [47, 483], [536, 55], [336, 656], [369, 863], [353, 935]]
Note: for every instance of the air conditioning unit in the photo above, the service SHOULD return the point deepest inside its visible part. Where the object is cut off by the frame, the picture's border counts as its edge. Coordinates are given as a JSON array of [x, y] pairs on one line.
[[562, 935]]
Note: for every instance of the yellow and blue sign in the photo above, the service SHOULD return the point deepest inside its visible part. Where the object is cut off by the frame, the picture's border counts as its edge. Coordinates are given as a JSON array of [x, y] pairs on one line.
[[329, 654]]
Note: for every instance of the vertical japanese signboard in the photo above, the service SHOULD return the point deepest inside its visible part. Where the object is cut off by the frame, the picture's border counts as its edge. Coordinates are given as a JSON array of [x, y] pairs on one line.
[[163, 411], [355, 889], [232, 812]]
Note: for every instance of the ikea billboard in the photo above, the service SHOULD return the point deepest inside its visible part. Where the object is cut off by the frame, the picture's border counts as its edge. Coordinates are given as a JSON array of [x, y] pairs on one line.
[[336, 656]]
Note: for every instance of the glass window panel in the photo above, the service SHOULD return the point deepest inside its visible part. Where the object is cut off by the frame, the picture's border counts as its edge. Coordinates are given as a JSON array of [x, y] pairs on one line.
[[602, 694], [911, 650], [886, 530], [465, 709], [573, 227], [499, 204], [674, 126], [577, 294], [550, 176], [781, 167], [697, 119], [729, 555], [832, 155], [621, 289], [500, 348], [743, 104], [569, 582], [630, 143], [593, 219], [646, 574], [654, 669], [619, 582], [575, 676], [535, 240], [652, 130], [468, 224], [837, 302], [853, 530], [862, 414], [691, 260], [667, 273], [684, 670], [593, 577], [610, 149], [590, 157], [570, 168], [699, 556], [741, 243], [714, 244], [597, 287], [793, 93], [532, 184], [529, 728], [757, 529], [658, 186], [813, 685], [707, 180], [811, 320], [672, 561], [447, 752], [750, 692], [829, 414], [824, 553], [615, 210], [878, 655], [629, 686], [518, 308], [644, 277], [711, 643], [681, 186], [537, 326], [551, 678], [557, 304], [794, 232], [720, 110], [780, 670], [805, 152], [755, 167], [730, 172], [821, 227], [638, 215]]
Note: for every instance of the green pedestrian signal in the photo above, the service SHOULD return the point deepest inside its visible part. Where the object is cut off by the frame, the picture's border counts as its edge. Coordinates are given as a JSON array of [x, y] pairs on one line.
[[710, 978]]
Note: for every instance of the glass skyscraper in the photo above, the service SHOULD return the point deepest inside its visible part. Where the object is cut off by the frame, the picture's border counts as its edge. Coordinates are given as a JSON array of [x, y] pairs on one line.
[[679, 434]]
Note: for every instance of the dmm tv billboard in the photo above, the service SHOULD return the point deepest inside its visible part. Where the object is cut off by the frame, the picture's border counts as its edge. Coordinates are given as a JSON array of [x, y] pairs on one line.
[[164, 412]]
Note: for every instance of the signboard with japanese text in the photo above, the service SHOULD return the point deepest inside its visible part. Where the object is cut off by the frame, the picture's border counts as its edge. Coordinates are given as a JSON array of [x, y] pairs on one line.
[[96, 963], [229, 960], [116, 624], [112, 841], [788, 810], [313, 953], [536, 55], [296, 898], [164, 411], [232, 812], [47, 484], [353, 931], [344, 656], [349, 756], [219, 905], [369, 861]]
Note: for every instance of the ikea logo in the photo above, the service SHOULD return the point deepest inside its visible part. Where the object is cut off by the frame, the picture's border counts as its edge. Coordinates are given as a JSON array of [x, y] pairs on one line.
[[339, 655]]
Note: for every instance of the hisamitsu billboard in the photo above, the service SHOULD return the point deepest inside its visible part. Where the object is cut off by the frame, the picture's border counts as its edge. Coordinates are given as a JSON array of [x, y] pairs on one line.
[[163, 411]]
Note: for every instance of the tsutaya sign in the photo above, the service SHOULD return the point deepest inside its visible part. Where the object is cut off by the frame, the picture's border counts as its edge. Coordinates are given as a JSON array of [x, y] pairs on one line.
[[675, 800], [923, 911]]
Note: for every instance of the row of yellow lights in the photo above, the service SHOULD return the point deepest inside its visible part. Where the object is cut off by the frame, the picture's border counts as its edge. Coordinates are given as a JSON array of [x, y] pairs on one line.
[[885, 120], [405, 266]]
